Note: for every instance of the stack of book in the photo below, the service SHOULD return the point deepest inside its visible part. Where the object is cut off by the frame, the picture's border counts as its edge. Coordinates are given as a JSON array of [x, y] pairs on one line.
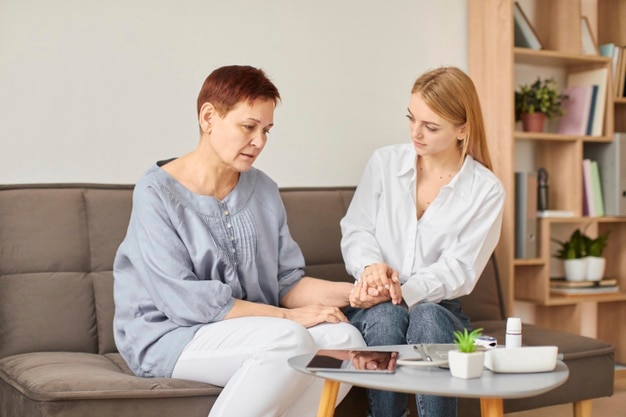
[[584, 108], [561, 286], [593, 200]]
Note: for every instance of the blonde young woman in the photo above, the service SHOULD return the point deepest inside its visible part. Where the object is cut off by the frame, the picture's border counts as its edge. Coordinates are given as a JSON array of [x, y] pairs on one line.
[[423, 222]]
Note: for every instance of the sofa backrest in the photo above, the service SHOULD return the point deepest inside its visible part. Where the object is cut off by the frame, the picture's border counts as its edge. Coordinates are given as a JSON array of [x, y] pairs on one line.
[[58, 242]]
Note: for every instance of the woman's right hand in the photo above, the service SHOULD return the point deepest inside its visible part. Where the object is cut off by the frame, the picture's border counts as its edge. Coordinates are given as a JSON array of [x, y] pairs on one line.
[[314, 314]]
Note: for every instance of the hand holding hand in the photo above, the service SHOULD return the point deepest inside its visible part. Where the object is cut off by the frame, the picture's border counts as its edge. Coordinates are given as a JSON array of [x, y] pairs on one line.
[[381, 279]]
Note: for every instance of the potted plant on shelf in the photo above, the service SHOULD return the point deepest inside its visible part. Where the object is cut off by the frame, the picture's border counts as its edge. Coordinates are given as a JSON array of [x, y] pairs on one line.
[[582, 256], [467, 361], [536, 102], [595, 262]]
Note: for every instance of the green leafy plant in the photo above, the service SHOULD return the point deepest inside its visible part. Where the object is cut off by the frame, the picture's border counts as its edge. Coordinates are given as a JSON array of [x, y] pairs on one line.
[[465, 339], [596, 246], [580, 245], [541, 96], [574, 248]]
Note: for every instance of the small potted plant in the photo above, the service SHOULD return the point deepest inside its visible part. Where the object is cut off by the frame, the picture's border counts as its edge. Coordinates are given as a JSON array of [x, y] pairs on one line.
[[537, 101], [582, 256], [593, 256], [467, 361]]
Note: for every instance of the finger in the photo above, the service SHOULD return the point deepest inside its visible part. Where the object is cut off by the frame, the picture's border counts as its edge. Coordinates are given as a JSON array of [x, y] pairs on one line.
[[340, 316], [363, 292], [394, 289]]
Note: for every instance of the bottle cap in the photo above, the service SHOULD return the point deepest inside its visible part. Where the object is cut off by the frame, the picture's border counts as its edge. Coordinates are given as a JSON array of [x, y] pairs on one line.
[[514, 325]]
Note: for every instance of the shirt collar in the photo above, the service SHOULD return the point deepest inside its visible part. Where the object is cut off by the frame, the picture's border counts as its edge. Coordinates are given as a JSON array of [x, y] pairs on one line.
[[462, 182]]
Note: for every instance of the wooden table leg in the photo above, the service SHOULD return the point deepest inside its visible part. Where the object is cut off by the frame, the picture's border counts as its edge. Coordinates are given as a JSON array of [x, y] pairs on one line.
[[491, 407], [329, 399], [582, 408]]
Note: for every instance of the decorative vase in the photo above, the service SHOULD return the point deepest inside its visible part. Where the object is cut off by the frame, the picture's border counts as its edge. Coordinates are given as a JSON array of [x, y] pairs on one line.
[[533, 122], [595, 268], [575, 269], [466, 365]]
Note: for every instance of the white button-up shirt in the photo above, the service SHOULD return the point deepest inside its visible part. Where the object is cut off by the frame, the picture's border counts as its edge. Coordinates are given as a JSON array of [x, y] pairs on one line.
[[441, 255]]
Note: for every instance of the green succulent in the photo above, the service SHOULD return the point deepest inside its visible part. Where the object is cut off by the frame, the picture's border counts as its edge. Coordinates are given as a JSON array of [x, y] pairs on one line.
[[465, 339]]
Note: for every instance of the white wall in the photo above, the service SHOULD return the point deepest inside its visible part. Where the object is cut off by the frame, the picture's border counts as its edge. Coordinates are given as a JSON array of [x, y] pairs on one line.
[[96, 91]]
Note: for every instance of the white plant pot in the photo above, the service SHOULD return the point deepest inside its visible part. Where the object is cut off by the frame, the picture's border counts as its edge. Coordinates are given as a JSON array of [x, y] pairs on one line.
[[575, 269], [595, 268], [466, 365]]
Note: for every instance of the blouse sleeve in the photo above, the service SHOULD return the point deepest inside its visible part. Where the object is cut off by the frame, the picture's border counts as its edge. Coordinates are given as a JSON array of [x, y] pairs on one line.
[[359, 245]]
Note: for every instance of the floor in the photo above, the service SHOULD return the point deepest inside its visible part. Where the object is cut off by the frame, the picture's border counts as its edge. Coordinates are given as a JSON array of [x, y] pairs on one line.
[[601, 407]]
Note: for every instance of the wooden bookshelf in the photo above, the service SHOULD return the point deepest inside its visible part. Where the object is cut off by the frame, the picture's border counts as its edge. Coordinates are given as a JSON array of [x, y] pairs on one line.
[[497, 67]]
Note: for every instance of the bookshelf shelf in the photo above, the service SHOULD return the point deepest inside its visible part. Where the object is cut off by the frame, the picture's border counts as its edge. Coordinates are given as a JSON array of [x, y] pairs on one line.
[[558, 137], [550, 58], [497, 69]]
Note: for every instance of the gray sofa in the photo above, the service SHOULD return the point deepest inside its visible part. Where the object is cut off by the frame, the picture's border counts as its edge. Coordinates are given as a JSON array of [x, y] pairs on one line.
[[57, 354]]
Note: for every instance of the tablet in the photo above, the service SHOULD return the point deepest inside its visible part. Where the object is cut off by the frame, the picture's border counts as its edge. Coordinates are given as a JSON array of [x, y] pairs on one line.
[[353, 360]]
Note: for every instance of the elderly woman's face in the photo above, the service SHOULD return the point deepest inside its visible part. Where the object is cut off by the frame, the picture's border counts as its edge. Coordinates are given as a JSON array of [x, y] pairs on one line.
[[239, 137]]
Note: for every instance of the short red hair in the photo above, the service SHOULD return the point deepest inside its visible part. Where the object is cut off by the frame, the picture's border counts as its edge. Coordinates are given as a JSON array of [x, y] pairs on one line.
[[229, 85]]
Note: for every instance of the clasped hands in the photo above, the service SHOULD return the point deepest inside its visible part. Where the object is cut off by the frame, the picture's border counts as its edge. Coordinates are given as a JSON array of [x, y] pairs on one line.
[[378, 283]]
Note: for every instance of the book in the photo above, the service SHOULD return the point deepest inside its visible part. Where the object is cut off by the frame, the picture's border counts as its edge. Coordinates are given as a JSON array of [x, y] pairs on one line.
[[555, 213], [563, 283], [524, 33], [588, 42], [615, 52], [621, 74], [597, 189], [611, 159], [599, 77], [576, 110], [592, 110], [588, 201], [586, 290], [525, 215]]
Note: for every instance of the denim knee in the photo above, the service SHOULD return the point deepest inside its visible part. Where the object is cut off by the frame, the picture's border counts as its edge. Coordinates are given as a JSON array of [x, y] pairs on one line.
[[431, 323], [382, 324]]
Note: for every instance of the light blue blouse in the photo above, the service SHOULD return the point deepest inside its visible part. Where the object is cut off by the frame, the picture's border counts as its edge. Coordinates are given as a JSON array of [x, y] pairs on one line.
[[187, 257]]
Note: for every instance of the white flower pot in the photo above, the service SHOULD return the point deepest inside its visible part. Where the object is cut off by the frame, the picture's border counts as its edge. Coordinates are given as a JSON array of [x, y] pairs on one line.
[[466, 365], [595, 268], [575, 269]]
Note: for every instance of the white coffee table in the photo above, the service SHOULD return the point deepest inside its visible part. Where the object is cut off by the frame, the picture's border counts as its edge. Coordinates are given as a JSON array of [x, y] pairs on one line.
[[491, 387]]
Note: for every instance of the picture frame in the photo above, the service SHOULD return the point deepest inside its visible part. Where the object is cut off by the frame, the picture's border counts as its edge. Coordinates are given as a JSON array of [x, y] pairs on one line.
[[525, 35], [588, 46]]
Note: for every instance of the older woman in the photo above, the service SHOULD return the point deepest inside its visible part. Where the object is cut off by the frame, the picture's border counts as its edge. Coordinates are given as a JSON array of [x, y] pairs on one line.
[[209, 284]]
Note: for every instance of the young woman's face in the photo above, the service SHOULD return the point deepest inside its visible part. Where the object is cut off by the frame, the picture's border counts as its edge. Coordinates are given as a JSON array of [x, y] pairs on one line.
[[431, 134], [239, 137]]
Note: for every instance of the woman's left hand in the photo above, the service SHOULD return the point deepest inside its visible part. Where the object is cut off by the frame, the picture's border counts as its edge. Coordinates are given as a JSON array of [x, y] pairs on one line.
[[363, 296]]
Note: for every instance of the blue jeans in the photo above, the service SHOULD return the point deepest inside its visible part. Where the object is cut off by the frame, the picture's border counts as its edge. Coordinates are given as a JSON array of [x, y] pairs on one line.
[[388, 324]]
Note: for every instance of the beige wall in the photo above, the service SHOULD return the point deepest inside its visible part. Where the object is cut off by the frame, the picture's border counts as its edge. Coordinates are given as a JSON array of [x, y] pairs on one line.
[[95, 91]]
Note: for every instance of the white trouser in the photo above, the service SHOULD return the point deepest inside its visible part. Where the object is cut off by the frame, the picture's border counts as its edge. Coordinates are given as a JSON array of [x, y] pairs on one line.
[[248, 357]]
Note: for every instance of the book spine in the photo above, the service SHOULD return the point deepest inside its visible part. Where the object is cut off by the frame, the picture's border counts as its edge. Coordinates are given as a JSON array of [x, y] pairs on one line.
[[588, 189], [597, 189]]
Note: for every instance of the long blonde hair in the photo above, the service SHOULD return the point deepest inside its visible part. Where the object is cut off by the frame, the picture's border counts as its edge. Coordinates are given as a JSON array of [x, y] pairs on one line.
[[451, 94]]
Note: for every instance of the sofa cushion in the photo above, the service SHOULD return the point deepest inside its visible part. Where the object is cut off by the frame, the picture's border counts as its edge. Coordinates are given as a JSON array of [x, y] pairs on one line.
[[105, 309], [47, 312], [107, 216], [320, 240], [43, 230], [55, 376]]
